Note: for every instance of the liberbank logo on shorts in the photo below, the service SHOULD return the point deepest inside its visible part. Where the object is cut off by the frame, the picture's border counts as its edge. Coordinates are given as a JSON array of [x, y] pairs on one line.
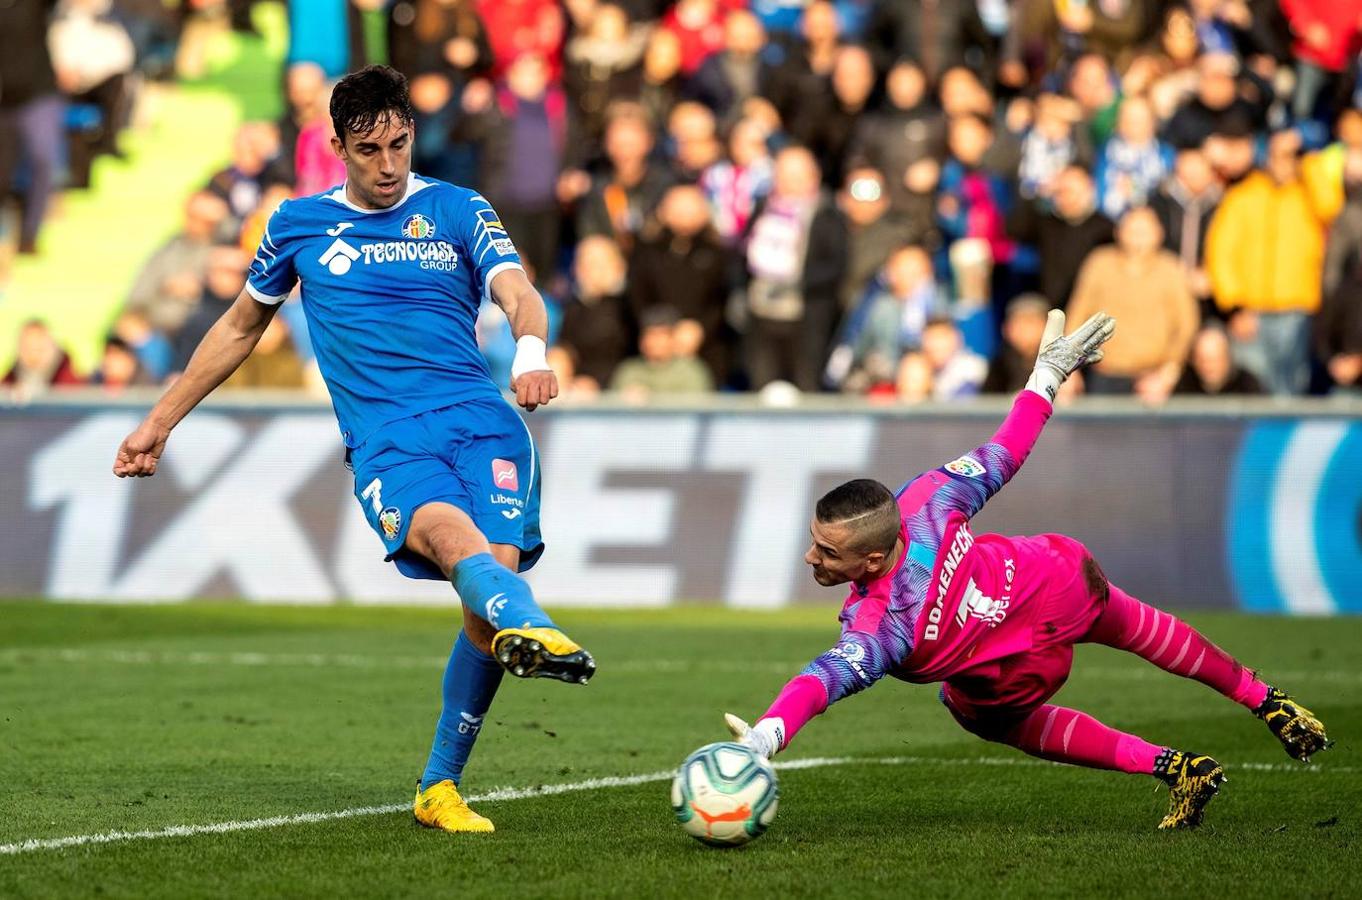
[[506, 478], [342, 255]]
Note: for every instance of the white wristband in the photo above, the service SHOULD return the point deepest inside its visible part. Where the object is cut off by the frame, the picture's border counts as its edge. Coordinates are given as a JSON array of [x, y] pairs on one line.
[[1044, 381], [531, 355]]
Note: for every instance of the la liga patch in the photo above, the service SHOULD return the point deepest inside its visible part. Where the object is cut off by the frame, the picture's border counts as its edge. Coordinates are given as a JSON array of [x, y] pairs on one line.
[[965, 466]]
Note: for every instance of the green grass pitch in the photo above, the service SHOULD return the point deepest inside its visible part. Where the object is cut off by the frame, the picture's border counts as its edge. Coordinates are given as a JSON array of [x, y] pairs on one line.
[[136, 719]]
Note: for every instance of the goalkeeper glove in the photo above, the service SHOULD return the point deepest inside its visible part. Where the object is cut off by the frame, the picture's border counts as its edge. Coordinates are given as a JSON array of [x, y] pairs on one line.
[[764, 738], [1061, 356]]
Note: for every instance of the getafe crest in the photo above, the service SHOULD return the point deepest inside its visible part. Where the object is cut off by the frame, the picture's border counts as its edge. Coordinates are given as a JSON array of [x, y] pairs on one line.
[[391, 522], [418, 227]]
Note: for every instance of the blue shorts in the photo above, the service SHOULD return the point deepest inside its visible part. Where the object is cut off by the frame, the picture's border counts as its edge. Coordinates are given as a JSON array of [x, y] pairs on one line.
[[477, 456]]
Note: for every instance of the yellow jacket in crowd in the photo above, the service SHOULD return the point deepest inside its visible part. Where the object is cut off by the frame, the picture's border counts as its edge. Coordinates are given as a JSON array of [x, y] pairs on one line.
[[1265, 246]]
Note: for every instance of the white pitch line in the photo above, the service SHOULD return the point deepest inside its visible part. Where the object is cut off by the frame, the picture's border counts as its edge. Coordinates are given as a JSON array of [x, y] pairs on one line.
[[362, 661], [549, 790]]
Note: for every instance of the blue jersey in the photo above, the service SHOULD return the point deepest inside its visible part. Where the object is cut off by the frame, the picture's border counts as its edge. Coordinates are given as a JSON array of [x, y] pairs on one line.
[[391, 296]]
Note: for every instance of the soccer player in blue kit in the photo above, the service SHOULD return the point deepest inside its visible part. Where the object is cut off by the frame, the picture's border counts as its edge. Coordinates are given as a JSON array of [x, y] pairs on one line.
[[393, 267]]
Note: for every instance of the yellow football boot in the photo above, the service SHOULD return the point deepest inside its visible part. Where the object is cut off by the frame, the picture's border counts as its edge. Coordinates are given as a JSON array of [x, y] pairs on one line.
[[542, 653], [440, 806], [1193, 781], [1301, 733]]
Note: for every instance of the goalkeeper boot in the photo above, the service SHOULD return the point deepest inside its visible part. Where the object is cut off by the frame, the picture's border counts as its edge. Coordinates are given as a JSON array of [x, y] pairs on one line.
[[542, 653], [1302, 735], [1193, 781], [441, 806]]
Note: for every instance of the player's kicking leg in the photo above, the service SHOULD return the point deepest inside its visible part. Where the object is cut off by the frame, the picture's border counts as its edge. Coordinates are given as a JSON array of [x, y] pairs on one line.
[[1176, 647], [499, 615]]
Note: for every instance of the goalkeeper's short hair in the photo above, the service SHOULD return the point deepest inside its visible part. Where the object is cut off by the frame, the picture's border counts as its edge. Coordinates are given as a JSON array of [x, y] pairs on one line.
[[868, 508]]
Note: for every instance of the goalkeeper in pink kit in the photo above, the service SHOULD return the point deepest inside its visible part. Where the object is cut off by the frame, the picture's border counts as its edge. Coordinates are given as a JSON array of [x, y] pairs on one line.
[[995, 618]]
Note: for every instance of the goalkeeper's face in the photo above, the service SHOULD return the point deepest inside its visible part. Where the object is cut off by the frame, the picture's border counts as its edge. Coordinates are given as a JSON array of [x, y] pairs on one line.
[[835, 556], [377, 162]]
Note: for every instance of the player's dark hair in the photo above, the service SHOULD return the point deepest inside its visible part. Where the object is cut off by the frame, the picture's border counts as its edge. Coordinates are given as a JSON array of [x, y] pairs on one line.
[[871, 509], [364, 99]]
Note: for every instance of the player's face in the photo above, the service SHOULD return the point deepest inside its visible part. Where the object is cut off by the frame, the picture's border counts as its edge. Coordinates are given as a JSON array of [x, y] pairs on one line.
[[377, 163], [832, 554]]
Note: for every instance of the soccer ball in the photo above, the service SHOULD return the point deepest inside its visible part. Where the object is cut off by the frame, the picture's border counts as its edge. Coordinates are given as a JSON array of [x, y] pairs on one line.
[[724, 794]]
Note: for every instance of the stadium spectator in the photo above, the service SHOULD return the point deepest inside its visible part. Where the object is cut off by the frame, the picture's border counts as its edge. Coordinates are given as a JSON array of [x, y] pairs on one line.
[[437, 112], [168, 288], [1051, 145], [936, 33], [908, 130], [620, 198], [253, 229], [1338, 326], [796, 256], [523, 26], [598, 329], [736, 73], [1185, 205], [680, 263], [154, 30], [274, 363], [1107, 30], [224, 277], [326, 32], [1095, 88], [444, 36], [800, 87], [1218, 105], [661, 85], [1344, 246], [1211, 370], [304, 86], [154, 352], [120, 367], [888, 323], [315, 164], [1143, 286], [521, 133], [874, 231], [1328, 36], [1066, 235], [693, 138], [945, 370], [242, 183], [1265, 256], [666, 363], [699, 28], [853, 82], [1133, 163], [1023, 326], [39, 365], [31, 112], [974, 196], [736, 183], [92, 56], [601, 65]]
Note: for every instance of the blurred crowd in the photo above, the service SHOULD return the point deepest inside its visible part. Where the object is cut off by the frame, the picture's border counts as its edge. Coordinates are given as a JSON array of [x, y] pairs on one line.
[[880, 197]]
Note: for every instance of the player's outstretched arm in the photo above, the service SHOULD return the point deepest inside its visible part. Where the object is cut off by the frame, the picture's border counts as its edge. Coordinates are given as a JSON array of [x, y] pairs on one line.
[[531, 378], [983, 471], [222, 350], [858, 661]]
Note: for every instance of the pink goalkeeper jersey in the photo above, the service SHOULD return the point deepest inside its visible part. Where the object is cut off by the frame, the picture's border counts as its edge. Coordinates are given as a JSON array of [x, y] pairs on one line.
[[946, 605]]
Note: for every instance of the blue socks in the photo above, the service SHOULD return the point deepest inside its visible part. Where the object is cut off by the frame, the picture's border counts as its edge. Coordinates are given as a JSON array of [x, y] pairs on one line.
[[502, 597], [470, 683], [497, 594]]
